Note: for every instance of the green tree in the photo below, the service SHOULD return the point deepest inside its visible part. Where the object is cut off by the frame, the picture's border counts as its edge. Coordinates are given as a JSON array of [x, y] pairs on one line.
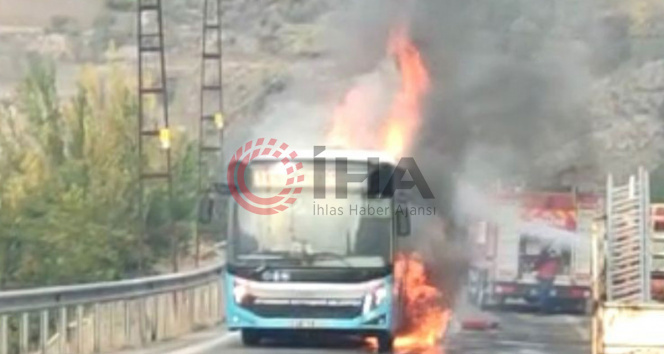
[[68, 183]]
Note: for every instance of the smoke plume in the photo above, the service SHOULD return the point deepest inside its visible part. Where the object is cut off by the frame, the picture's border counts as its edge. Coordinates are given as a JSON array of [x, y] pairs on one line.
[[509, 81]]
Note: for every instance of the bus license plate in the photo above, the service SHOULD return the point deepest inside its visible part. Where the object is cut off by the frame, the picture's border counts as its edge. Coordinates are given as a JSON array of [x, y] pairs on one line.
[[304, 324]]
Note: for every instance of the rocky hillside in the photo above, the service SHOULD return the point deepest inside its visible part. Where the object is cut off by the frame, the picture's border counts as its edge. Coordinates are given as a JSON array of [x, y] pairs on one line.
[[262, 43]]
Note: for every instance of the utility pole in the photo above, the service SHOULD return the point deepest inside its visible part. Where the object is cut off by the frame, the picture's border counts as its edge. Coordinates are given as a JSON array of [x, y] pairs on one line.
[[154, 134], [212, 124]]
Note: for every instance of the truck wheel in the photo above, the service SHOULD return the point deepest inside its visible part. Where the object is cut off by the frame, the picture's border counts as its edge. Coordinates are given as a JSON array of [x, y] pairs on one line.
[[385, 342], [251, 337]]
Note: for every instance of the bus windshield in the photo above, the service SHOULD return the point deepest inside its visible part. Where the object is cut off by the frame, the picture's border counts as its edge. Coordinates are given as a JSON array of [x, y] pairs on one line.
[[353, 231]]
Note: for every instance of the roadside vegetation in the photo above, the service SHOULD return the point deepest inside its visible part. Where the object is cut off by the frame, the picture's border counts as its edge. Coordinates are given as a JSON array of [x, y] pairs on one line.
[[68, 183]]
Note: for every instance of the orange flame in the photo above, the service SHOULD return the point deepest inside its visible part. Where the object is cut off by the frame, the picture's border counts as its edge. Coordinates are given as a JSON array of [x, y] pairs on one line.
[[426, 315], [353, 125], [404, 121]]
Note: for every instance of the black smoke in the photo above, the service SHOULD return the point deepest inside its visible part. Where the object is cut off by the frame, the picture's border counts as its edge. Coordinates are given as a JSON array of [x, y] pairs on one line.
[[509, 90]]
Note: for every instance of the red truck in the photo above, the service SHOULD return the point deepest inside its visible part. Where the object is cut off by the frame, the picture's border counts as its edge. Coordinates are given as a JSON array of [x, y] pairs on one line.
[[507, 244]]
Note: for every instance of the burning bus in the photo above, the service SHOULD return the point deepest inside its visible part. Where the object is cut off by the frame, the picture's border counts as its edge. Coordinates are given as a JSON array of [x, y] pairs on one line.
[[326, 262]]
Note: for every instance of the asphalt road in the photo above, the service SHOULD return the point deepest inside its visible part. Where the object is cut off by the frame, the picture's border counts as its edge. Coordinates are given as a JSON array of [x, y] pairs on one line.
[[519, 332], [522, 331]]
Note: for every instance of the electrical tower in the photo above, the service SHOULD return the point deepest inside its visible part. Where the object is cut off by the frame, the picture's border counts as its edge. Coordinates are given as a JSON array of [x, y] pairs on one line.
[[211, 125], [154, 135]]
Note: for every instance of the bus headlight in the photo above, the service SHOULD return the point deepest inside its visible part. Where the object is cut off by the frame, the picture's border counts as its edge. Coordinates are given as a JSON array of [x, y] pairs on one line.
[[368, 304], [380, 295], [374, 299], [239, 292]]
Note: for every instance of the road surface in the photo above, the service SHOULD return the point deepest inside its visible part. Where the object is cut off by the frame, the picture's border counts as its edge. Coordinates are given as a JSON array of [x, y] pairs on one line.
[[519, 332], [522, 331]]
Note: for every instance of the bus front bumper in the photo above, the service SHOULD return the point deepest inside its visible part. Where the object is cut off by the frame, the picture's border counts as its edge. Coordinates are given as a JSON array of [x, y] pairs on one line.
[[377, 320]]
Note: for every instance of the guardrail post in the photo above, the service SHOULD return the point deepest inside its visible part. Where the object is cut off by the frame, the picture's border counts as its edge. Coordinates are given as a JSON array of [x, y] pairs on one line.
[[208, 305], [166, 307], [110, 310], [181, 312], [195, 307], [79, 329], [213, 302], [24, 335], [216, 302], [149, 318], [155, 318], [166, 318], [207, 315], [172, 311], [43, 332], [142, 321], [96, 329], [191, 295], [117, 317], [62, 330], [205, 306], [221, 300], [186, 308], [127, 323], [203, 309], [4, 338], [216, 305]]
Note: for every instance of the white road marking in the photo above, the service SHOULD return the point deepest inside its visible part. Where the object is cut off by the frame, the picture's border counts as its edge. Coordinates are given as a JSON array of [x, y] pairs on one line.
[[576, 323], [224, 339], [530, 351], [519, 343], [524, 316]]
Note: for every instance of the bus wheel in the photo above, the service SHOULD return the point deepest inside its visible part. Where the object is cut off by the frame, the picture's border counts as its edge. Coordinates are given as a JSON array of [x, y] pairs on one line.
[[385, 342], [251, 337]]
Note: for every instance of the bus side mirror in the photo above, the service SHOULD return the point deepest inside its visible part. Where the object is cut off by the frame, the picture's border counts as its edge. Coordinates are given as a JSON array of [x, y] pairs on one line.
[[205, 210], [402, 223]]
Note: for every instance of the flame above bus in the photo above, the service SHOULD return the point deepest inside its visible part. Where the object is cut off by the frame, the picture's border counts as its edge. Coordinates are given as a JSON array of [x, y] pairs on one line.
[[353, 124]]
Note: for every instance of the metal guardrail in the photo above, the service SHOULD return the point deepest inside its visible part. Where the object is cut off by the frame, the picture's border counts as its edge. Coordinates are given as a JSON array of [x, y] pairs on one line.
[[101, 317]]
